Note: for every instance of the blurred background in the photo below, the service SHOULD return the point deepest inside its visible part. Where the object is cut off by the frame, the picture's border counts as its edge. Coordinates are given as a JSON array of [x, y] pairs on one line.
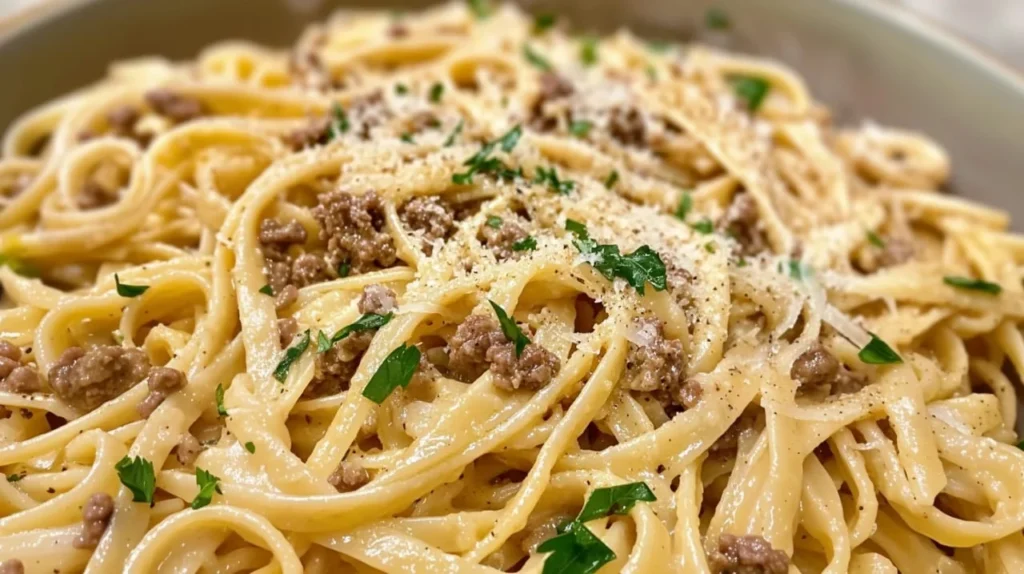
[[995, 25]]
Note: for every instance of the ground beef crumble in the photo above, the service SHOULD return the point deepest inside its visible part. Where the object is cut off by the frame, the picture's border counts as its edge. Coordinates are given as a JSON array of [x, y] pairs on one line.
[[553, 87], [741, 221], [348, 477], [162, 381], [353, 228], [284, 264], [86, 379], [500, 239], [176, 107], [817, 371], [188, 449], [479, 344], [95, 519], [12, 566], [14, 376], [657, 365], [431, 216], [627, 126], [377, 299], [747, 555]]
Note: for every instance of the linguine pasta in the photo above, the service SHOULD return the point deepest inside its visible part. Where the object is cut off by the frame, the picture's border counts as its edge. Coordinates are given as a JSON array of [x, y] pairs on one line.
[[462, 291]]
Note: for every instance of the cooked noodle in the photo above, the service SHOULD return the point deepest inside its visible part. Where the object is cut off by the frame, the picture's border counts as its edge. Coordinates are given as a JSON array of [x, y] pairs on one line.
[[717, 355]]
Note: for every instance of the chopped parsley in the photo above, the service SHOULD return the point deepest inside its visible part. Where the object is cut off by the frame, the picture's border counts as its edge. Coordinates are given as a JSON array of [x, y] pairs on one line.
[[482, 162], [14, 477], [652, 72], [659, 46], [709, 247], [877, 352], [493, 221], [576, 550], [401, 89], [343, 268], [612, 179], [716, 19], [973, 284], [550, 176], [637, 268], [588, 51], [535, 59], [221, 411], [267, 290], [455, 133], [339, 122], [126, 290], [290, 356], [480, 8], [703, 226], [580, 128], [542, 22], [875, 240], [407, 137], [18, 266], [396, 371], [512, 331], [796, 269], [251, 447], [684, 207], [436, 91], [750, 90], [528, 243], [367, 322], [208, 484], [137, 476]]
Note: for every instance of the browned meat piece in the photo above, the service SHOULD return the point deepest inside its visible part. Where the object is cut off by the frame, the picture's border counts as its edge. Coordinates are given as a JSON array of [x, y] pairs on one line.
[[10, 350], [353, 228], [22, 379], [12, 566], [657, 364], [377, 299], [188, 449], [308, 269], [729, 441], [747, 555], [430, 215], [398, 30], [553, 87], [313, 133], [87, 379], [687, 394], [627, 126], [532, 370], [5, 413], [176, 107], [273, 232], [162, 382], [286, 329], [479, 344], [334, 369], [95, 518], [897, 251], [500, 240], [817, 371], [284, 268], [94, 195], [286, 296], [348, 477], [122, 119], [307, 68], [741, 221]]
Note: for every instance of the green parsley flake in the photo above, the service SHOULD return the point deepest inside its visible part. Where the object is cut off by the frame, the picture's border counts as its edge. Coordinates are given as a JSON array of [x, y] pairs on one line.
[[875, 240], [251, 447], [436, 91], [493, 221], [535, 59], [339, 122], [511, 330], [18, 266], [455, 133], [395, 371], [126, 290], [267, 290], [973, 284], [750, 90], [482, 162], [611, 180], [221, 411], [407, 137], [543, 22], [291, 355], [137, 476], [343, 268], [550, 176], [716, 19], [480, 8], [684, 207], [615, 500], [877, 352], [588, 51], [368, 322], [401, 89], [528, 243], [208, 484], [14, 477], [580, 128], [637, 268], [703, 226]]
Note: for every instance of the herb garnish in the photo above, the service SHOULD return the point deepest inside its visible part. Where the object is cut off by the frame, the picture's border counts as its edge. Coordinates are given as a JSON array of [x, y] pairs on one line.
[[251, 447], [638, 268], [580, 128], [221, 411], [367, 322], [612, 178], [455, 133], [407, 137], [973, 284], [751, 90], [512, 331], [716, 19], [126, 290], [685, 205], [208, 484], [588, 51], [542, 22], [339, 122], [290, 356], [436, 91], [877, 352], [481, 8], [401, 89], [528, 243], [875, 240], [482, 162], [343, 268], [396, 371], [18, 266], [550, 175], [703, 226], [534, 58], [267, 290], [137, 476], [493, 221], [14, 477], [615, 500]]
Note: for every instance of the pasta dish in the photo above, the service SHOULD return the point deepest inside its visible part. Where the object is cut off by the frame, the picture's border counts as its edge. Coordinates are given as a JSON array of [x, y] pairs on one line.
[[468, 290]]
